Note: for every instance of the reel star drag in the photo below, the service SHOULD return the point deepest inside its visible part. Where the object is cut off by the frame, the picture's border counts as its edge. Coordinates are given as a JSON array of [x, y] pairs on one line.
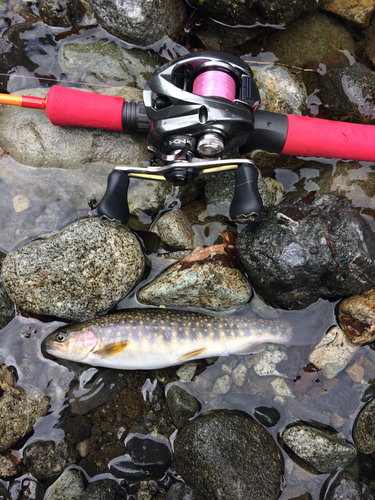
[[194, 109]]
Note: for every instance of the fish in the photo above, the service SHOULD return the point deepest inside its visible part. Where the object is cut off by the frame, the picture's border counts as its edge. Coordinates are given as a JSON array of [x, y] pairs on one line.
[[146, 339]]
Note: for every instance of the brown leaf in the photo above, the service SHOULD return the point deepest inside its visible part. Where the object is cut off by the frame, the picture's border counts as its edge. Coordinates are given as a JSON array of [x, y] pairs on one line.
[[4, 153], [356, 371], [221, 255], [329, 384]]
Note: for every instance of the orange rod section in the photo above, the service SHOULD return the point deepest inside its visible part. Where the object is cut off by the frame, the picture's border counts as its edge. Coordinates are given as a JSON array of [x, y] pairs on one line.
[[14, 100]]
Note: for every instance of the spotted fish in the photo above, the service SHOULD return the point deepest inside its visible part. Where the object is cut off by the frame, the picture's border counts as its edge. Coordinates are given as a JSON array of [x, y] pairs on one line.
[[137, 339]]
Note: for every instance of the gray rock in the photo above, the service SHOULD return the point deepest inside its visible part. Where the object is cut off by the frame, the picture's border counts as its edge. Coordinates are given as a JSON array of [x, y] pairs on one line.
[[48, 459], [43, 145], [8, 466], [316, 246], [22, 406], [343, 487], [105, 489], [345, 90], [280, 91], [363, 429], [106, 63], [6, 305], [101, 388], [359, 13], [180, 491], [82, 271], [63, 13], [175, 229], [182, 405], [333, 353], [69, 486], [323, 451], [255, 11], [143, 22], [206, 285], [226, 454], [308, 39]]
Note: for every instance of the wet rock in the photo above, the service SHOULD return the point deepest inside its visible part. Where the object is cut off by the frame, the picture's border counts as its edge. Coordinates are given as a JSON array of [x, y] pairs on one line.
[[180, 491], [26, 488], [308, 39], [359, 12], [150, 453], [224, 38], [22, 406], [281, 388], [48, 459], [226, 454], [175, 229], [63, 13], [6, 305], [41, 144], [267, 361], [206, 278], [69, 486], [222, 385], [123, 467], [106, 489], [258, 11], [343, 487], [79, 428], [280, 91], [8, 466], [357, 317], [182, 405], [325, 452], [100, 389], [143, 23], [364, 430], [333, 353], [219, 192], [186, 373], [315, 246], [81, 271], [106, 63], [346, 90], [239, 374]]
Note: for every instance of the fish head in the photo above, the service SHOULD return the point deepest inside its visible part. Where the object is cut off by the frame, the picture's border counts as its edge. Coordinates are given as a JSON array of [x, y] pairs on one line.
[[69, 343]]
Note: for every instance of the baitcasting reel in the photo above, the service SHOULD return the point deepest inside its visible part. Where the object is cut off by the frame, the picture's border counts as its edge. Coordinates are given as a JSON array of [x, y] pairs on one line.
[[194, 109]]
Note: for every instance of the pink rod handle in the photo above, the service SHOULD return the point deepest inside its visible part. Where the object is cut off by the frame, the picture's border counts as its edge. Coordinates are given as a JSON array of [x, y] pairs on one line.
[[75, 108], [329, 139]]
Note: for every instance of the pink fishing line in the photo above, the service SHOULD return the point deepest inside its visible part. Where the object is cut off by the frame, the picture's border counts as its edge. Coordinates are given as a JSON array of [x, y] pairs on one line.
[[215, 83]]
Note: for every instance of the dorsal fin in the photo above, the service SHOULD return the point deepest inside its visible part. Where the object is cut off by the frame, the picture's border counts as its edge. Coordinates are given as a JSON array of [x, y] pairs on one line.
[[192, 354], [112, 349]]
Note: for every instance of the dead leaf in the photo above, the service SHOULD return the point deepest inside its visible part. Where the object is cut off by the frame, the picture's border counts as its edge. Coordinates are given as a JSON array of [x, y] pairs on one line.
[[356, 371], [4, 153], [329, 384], [222, 255]]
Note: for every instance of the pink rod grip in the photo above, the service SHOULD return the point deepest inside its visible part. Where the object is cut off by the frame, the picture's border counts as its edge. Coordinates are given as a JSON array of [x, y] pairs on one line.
[[75, 108], [329, 139]]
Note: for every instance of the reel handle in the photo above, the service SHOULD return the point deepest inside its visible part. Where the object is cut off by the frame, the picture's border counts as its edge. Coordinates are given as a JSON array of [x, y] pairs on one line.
[[246, 199], [114, 204]]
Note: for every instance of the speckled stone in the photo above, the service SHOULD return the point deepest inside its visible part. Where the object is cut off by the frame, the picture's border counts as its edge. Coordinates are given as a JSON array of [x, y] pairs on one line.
[[6, 305], [48, 459], [175, 229], [222, 385], [357, 317], [267, 361], [182, 405], [23, 408], [226, 454], [333, 353], [69, 486], [81, 271], [325, 452], [206, 285], [105, 489], [364, 430], [344, 487]]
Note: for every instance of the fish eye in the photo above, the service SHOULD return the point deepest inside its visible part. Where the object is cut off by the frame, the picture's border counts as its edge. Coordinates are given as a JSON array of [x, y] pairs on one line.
[[60, 337]]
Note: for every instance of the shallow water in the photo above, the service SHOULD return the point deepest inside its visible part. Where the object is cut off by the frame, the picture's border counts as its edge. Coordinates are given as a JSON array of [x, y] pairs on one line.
[[20, 340]]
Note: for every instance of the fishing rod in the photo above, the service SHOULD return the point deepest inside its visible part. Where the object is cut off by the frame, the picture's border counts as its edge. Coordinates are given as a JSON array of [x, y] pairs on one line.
[[194, 109]]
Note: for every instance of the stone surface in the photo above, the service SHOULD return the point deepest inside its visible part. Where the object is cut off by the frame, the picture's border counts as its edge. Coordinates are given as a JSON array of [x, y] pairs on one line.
[[141, 23], [69, 486], [23, 406], [8, 465], [333, 353], [238, 457], [26, 488], [63, 13], [175, 229], [357, 317], [308, 39], [48, 459], [364, 429], [311, 247], [105, 489], [6, 305], [204, 283], [81, 271], [323, 451], [355, 11], [182, 405], [267, 361], [344, 487]]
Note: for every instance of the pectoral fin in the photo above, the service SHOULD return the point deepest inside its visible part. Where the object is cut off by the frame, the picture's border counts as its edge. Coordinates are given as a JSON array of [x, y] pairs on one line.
[[192, 354], [112, 349]]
